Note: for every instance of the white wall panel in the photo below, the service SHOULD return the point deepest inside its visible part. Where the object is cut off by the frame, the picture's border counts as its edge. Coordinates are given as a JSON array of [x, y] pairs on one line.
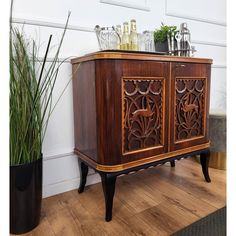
[[218, 90], [85, 13], [213, 11], [76, 43], [60, 133], [218, 54], [64, 175], [139, 5], [60, 169]]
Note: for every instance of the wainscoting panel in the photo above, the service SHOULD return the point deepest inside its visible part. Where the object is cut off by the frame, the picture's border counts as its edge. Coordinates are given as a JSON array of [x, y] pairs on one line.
[[218, 54], [137, 5], [218, 89], [59, 137], [76, 43], [209, 11], [64, 175]]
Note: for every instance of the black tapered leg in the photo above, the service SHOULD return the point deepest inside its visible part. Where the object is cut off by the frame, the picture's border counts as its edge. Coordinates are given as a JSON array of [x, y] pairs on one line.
[[172, 163], [83, 176], [204, 158], [108, 184]]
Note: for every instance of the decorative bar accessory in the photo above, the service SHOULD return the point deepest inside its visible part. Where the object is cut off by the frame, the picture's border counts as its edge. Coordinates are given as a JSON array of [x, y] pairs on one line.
[[183, 45], [108, 38], [148, 40]]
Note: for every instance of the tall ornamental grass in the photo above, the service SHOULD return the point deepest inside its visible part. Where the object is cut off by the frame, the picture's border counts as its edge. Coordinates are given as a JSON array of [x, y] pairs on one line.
[[31, 89]]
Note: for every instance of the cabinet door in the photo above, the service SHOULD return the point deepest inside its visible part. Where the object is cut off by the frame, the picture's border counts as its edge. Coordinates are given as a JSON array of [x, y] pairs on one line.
[[189, 106], [144, 87]]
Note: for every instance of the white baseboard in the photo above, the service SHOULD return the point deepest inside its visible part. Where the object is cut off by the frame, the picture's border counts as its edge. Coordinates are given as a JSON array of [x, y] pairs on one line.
[[67, 185]]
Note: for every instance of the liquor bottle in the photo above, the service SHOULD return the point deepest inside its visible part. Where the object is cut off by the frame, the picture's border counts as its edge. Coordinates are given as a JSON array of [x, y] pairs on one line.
[[119, 32], [125, 37], [133, 36]]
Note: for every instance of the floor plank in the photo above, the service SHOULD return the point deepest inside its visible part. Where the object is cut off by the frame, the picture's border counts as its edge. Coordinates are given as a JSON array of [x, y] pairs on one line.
[[179, 197], [156, 201], [192, 182]]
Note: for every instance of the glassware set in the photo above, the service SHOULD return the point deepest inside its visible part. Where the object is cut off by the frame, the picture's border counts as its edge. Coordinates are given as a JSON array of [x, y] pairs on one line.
[[112, 38]]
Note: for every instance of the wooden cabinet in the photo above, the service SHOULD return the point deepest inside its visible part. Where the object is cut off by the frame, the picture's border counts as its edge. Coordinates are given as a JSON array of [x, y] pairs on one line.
[[135, 110]]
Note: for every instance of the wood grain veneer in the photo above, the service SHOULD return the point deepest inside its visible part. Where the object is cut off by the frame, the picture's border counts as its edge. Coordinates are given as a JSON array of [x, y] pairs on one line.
[[138, 56]]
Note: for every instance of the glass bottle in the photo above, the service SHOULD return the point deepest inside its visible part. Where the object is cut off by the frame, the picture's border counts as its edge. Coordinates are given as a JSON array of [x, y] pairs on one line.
[[148, 38], [133, 36], [125, 37], [119, 32]]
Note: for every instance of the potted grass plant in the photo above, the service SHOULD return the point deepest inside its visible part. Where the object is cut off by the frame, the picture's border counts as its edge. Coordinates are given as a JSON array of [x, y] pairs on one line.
[[32, 81], [160, 37]]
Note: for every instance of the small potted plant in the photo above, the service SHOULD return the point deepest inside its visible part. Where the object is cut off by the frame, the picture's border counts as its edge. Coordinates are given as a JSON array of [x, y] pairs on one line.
[[32, 82], [160, 37]]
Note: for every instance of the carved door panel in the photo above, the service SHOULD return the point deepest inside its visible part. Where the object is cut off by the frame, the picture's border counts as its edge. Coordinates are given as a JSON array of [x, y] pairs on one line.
[[189, 105], [144, 112]]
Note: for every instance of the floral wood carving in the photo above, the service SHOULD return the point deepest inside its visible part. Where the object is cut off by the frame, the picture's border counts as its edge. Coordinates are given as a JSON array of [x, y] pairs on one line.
[[142, 113], [190, 108]]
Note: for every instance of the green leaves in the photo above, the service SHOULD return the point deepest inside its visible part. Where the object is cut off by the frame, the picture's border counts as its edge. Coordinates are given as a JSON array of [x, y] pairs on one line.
[[160, 35], [31, 90]]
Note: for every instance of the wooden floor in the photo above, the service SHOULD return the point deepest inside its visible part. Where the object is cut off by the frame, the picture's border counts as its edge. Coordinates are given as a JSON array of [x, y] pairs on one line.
[[157, 201]]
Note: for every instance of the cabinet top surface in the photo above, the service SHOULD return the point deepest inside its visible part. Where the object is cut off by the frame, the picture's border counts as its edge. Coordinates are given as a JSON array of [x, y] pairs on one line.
[[127, 55]]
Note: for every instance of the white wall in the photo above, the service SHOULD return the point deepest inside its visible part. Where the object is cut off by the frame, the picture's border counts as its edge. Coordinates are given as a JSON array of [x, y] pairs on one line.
[[206, 20]]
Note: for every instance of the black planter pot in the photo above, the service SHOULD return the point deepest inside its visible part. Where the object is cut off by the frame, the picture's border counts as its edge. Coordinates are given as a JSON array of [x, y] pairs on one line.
[[161, 47], [25, 196]]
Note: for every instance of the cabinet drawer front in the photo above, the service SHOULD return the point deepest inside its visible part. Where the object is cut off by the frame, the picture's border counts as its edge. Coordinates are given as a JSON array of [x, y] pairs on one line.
[[190, 105], [143, 105], [144, 101], [190, 108]]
